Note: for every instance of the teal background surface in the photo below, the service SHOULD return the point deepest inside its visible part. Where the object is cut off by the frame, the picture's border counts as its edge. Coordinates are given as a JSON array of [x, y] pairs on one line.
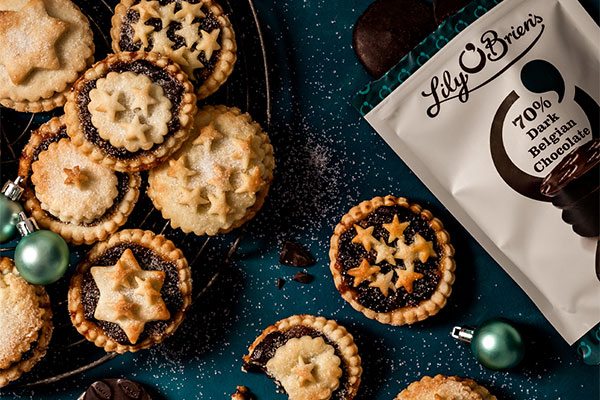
[[327, 160]]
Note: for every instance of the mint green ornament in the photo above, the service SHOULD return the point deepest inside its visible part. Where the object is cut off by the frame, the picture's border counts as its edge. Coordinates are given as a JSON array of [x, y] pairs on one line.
[[10, 209], [41, 257], [496, 344]]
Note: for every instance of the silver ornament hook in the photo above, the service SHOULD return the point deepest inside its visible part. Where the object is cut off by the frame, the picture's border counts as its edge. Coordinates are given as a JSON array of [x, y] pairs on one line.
[[464, 334], [26, 226], [13, 189]]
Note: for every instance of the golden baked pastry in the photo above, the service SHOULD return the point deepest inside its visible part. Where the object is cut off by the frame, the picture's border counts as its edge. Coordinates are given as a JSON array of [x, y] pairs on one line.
[[443, 387]]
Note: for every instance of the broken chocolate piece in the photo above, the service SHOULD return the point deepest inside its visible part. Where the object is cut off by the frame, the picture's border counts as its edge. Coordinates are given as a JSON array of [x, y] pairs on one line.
[[442, 9], [115, 389], [303, 277], [242, 393], [294, 255], [280, 283]]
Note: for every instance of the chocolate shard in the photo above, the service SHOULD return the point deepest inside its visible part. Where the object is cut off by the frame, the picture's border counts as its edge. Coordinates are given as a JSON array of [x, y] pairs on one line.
[[130, 388], [294, 255], [280, 283], [303, 277], [115, 389], [102, 390]]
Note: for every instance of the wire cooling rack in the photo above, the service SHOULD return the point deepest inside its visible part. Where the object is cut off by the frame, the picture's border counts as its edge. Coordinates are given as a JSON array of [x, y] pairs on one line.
[[247, 88]]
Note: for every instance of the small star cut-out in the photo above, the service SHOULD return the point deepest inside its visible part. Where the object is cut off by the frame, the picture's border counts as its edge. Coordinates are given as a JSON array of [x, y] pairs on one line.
[[405, 253], [147, 9], [134, 130], [190, 33], [208, 43], [179, 171], [383, 282], [75, 176], [141, 32], [161, 42], [221, 177], [251, 182], [189, 12], [363, 272], [193, 198], [219, 206], [167, 14], [396, 229], [122, 308], [42, 31], [384, 253], [406, 279], [109, 103], [245, 152], [304, 371], [364, 236], [142, 97], [144, 288], [208, 134], [423, 248]]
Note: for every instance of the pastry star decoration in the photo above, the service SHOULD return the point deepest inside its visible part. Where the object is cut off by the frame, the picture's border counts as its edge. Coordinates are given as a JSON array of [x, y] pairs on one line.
[[219, 206], [179, 171], [364, 236], [221, 177], [396, 229], [208, 43], [129, 296], [134, 130], [208, 134], [251, 182], [363, 272], [304, 371], [28, 37], [383, 282], [245, 152], [192, 198], [109, 103], [75, 176]]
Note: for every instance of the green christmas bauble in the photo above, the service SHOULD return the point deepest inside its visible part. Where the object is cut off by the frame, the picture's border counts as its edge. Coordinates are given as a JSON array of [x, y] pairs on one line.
[[498, 345], [42, 257], [9, 216]]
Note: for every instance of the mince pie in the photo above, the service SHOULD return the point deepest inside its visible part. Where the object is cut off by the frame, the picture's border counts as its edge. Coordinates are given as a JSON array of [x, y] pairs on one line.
[[45, 45], [68, 193], [25, 321], [392, 261], [130, 292], [131, 111], [219, 178], [195, 34], [308, 357], [443, 387]]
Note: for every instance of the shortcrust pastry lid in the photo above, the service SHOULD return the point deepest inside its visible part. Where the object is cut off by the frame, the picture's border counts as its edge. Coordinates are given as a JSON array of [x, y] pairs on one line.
[[443, 387], [49, 134], [219, 178], [129, 296], [139, 114], [204, 38], [397, 255], [331, 334], [46, 43], [25, 317], [129, 110], [70, 186]]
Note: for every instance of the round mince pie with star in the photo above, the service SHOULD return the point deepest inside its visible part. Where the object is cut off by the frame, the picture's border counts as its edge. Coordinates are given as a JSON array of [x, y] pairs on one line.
[[25, 323], [68, 193], [195, 34], [392, 261], [44, 46], [442, 387], [130, 292], [310, 358], [219, 178], [131, 111]]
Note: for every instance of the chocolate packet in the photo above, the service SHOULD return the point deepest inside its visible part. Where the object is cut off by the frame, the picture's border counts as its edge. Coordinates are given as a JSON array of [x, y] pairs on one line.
[[497, 113]]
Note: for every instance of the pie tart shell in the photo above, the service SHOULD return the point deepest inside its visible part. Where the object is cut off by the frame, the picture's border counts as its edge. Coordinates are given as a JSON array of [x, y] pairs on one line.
[[76, 234], [45, 333], [227, 56], [158, 153], [446, 264], [162, 247], [334, 332], [418, 389]]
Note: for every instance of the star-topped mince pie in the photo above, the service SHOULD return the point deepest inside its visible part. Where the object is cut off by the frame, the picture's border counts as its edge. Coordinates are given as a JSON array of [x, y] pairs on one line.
[[196, 34], [219, 178], [45, 44], [130, 292], [442, 387], [392, 261], [310, 358], [68, 193], [131, 111]]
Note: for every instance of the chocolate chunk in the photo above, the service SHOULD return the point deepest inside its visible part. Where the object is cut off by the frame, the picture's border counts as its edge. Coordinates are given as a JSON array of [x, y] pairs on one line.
[[294, 255], [598, 260], [243, 393], [280, 283], [442, 9], [388, 30], [115, 389], [584, 215], [303, 277]]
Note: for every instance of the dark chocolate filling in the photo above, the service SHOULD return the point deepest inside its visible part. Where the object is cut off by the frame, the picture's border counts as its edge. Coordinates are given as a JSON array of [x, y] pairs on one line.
[[172, 88], [266, 349], [149, 261], [122, 178], [207, 24], [350, 255]]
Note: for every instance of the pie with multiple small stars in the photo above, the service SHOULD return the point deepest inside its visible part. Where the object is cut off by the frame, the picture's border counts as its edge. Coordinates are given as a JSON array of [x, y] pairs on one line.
[[442, 387], [130, 292], [66, 192], [219, 178], [308, 357], [26, 321], [131, 111], [45, 44], [196, 34], [392, 261]]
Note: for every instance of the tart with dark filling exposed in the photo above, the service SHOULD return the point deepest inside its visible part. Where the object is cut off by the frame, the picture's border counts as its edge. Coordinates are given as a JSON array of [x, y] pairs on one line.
[[25, 321], [310, 358], [442, 387], [131, 111], [195, 34], [392, 261], [69, 194], [130, 292]]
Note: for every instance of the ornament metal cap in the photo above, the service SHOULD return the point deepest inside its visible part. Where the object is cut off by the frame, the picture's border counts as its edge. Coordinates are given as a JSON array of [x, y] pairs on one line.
[[12, 189], [26, 226], [464, 334]]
